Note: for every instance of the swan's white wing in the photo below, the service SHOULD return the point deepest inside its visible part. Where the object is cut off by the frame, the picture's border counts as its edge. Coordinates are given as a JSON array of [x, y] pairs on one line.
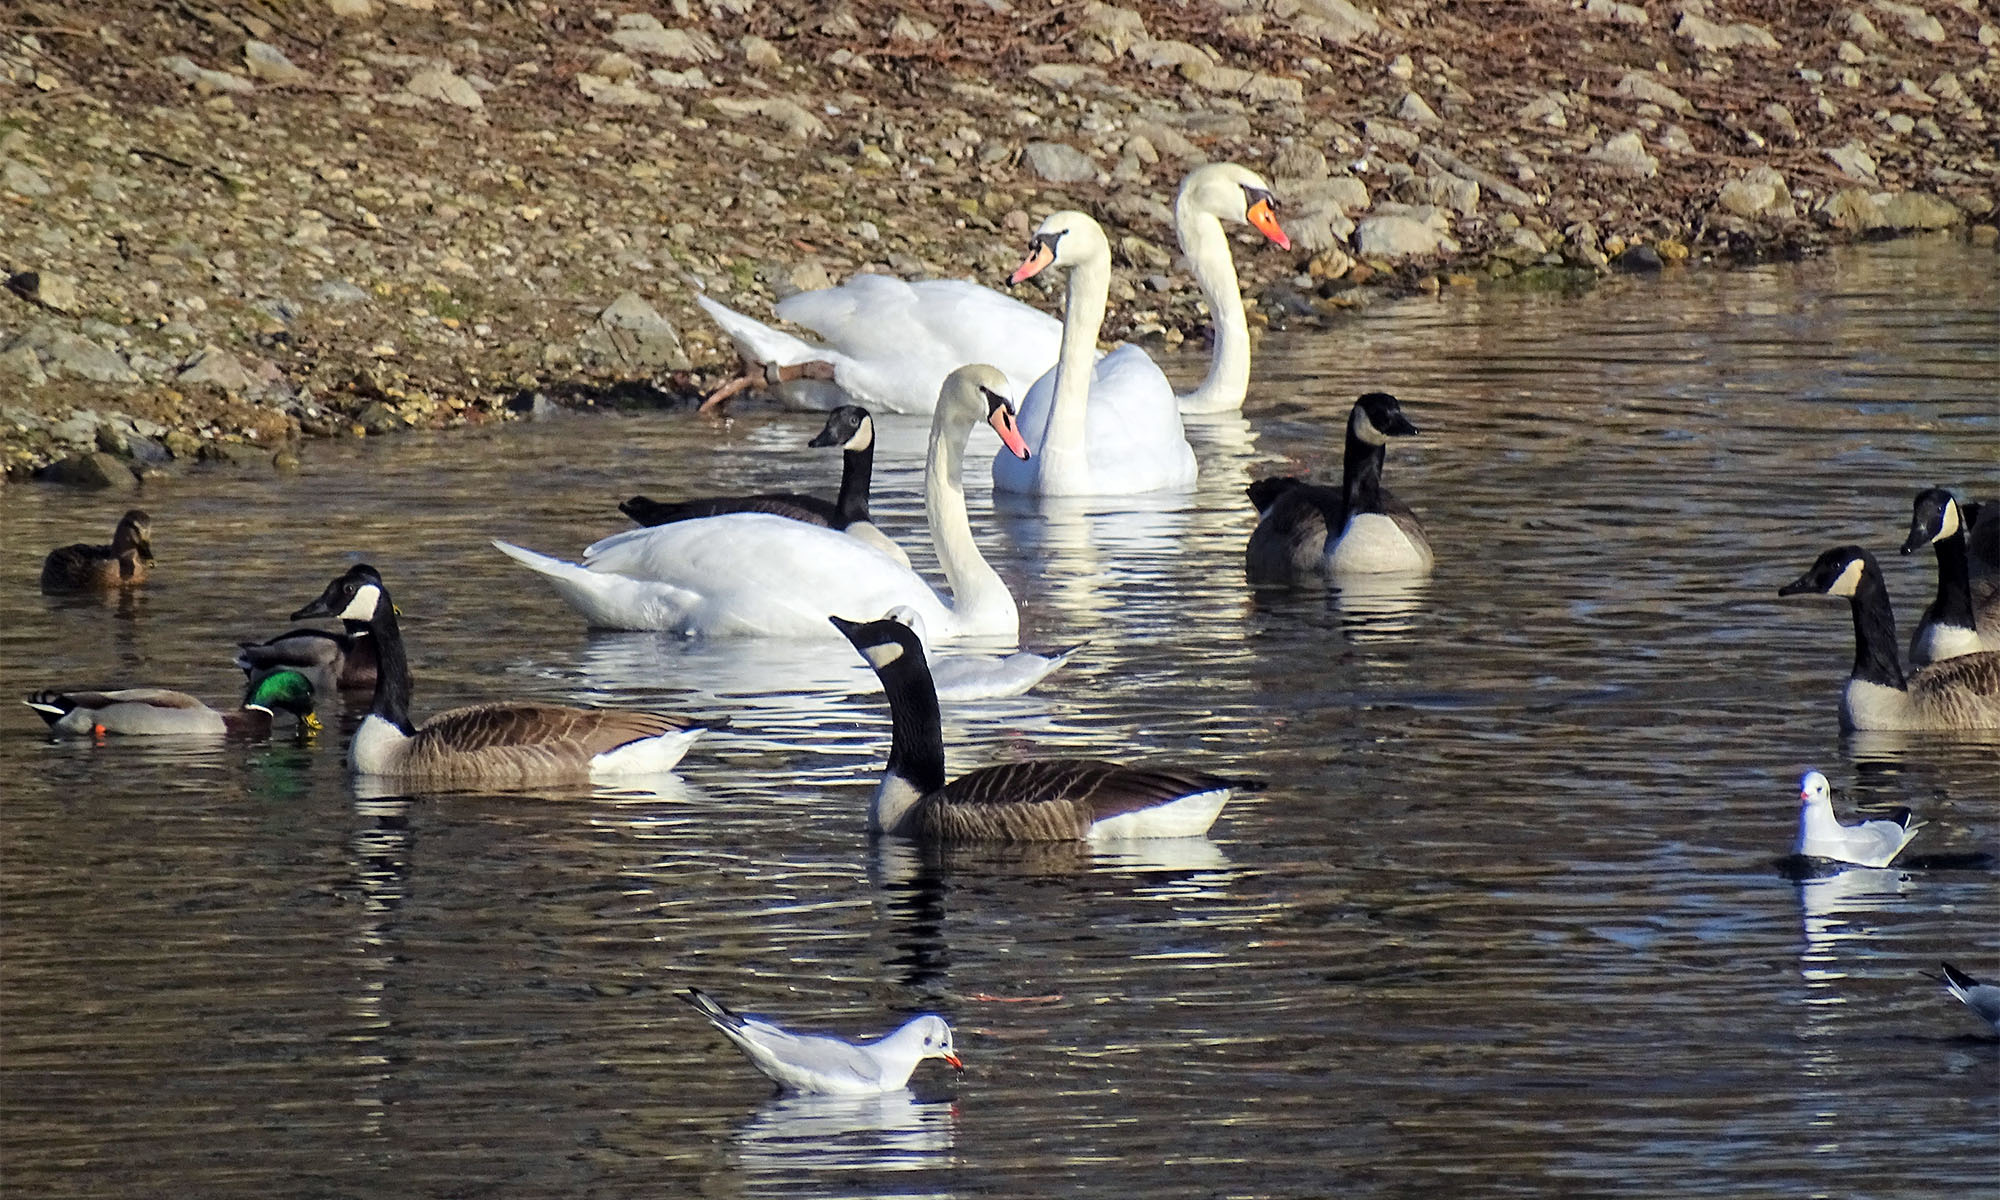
[[757, 341], [757, 574], [611, 601]]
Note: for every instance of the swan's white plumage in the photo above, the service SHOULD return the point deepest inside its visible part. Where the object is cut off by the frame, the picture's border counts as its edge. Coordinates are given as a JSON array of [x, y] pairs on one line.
[[735, 575], [892, 342], [1097, 427], [761, 575]]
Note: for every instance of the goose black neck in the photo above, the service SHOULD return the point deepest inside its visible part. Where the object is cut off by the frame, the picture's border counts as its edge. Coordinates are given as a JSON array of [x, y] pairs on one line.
[[1953, 605], [857, 469], [392, 667], [916, 747], [1361, 474], [1875, 633]]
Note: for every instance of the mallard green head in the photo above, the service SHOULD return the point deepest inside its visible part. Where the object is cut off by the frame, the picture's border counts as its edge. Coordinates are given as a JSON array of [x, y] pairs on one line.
[[287, 690]]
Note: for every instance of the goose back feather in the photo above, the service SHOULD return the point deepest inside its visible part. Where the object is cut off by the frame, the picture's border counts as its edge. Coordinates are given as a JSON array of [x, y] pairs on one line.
[[1308, 531]]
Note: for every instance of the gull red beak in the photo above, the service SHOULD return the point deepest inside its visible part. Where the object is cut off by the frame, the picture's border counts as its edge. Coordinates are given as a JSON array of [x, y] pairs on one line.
[[953, 1059], [1000, 416], [1039, 255], [1266, 223]]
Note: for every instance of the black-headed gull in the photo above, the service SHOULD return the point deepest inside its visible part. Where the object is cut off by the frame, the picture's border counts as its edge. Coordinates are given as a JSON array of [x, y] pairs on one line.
[[1982, 998], [962, 677], [1821, 835], [816, 1064]]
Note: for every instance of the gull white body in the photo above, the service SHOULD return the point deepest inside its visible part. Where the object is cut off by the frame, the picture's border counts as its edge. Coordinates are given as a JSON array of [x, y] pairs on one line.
[[963, 677], [1821, 835], [1981, 998], [817, 1064]]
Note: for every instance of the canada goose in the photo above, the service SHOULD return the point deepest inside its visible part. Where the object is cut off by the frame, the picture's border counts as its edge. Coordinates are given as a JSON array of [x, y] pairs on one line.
[[1037, 800], [962, 677], [1957, 693], [815, 1064], [1107, 426], [157, 712], [1307, 530], [849, 427], [1960, 620], [1868, 844], [1981, 998], [756, 575], [503, 744], [87, 568]]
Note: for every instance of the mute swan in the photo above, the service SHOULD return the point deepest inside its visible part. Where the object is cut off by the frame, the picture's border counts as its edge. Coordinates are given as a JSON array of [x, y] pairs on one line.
[[890, 344], [849, 427], [1034, 800], [1310, 530], [1209, 196], [157, 712], [87, 568], [1956, 693], [814, 1064], [755, 575], [506, 744], [1098, 427], [1963, 619]]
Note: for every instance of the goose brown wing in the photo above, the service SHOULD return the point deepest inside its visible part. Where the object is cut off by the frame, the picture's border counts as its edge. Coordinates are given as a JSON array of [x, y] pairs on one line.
[[588, 731], [1968, 686], [1056, 799], [1290, 537]]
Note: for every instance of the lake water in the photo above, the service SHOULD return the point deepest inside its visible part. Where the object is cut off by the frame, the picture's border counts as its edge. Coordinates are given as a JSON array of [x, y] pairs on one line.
[[1506, 922]]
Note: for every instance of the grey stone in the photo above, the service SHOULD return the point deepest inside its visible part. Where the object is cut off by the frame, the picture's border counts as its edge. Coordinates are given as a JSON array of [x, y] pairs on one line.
[[1335, 22], [52, 291], [440, 84], [1638, 259], [789, 115], [601, 90], [22, 179], [642, 33], [1854, 161], [1415, 111], [64, 353], [218, 368], [267, 62], [21, 362], [95, 469], [1760, 193], [631, 333], [377, 418], [1707, 35], [1917, 210], [1640, 85], [207, 80], [1058, 162], [1396, 236], [1626, 154], [1066, 77], [1389, 134]]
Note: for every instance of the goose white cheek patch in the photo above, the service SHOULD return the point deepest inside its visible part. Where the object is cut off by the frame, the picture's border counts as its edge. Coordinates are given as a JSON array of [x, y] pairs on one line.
[[882, 654], [362, 607], [1949, 524], [863, 438], [1850, 579]]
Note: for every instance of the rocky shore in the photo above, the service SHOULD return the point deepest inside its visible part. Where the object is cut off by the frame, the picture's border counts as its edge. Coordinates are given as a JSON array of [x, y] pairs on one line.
[[230, 226]]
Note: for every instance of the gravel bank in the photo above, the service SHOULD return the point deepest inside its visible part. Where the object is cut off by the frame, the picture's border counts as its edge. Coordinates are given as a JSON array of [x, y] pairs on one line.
[[228, 229]]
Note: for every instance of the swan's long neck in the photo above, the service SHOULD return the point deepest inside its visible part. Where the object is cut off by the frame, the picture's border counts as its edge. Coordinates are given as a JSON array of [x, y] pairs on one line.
[[978, 595], [857, 470], [1206, 245], [1875, 633], [1083, 317], [1361, 474], [392, 668]]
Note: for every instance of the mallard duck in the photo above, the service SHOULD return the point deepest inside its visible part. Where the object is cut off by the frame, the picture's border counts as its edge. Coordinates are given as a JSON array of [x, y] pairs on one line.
[[1035, 800], [335, 662], [504, 744], [157, 712], [87, 568]]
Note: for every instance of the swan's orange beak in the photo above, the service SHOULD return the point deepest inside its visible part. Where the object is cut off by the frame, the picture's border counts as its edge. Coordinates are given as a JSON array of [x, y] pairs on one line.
[[1266, 222], [1001, 418], [1040, 254], [954, 1061]]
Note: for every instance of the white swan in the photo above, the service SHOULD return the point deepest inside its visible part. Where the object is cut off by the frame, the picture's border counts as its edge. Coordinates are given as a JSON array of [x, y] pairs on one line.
[[1108, 428], [753, 574], [889, 343], [1209, 196]]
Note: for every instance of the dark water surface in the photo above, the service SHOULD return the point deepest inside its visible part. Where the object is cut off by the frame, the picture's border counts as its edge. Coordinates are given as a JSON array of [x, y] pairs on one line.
[[1505, 923]]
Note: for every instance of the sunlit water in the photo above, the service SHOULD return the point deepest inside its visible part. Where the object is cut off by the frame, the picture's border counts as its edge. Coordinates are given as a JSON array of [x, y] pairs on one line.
[[1506, 921]]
